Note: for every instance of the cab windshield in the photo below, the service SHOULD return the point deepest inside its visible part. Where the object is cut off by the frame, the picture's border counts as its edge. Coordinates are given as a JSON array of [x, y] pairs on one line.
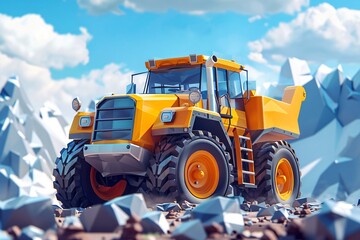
[[173, 80]]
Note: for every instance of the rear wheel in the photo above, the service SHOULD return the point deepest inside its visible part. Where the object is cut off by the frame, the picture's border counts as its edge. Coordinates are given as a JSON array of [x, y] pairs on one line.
[[79, 185], [277, 174], [192, 168]]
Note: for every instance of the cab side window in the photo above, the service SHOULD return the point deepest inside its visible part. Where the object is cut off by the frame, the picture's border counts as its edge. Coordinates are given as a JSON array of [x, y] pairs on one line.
[[221, 81], [235, 90]]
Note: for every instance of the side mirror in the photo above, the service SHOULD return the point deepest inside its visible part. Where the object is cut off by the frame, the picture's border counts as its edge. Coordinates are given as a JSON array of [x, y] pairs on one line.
[[131, 88]]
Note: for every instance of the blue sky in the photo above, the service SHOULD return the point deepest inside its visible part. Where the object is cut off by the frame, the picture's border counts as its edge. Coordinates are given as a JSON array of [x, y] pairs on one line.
[[117, 36]]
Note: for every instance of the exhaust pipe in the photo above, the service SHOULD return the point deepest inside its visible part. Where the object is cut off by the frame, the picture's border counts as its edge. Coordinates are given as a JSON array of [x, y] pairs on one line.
[[209, 64]]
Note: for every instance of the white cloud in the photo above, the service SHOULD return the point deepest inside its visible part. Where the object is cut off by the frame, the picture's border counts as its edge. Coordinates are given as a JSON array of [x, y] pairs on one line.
[[29, 47], [31, 39], [254, 18], [253, 7], [40, 87], [319, 34], [257, 57]]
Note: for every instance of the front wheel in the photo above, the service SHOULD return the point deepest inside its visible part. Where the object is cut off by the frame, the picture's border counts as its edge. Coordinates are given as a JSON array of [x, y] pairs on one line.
[[79, 185], [192, 168], [277, 174]]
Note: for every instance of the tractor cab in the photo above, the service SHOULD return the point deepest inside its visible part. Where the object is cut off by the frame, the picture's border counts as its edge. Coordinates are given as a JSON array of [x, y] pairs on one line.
[[229, 81]]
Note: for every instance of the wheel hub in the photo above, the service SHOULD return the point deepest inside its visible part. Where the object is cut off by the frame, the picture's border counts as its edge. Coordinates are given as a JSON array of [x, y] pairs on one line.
[[284, 179], [201, 174]]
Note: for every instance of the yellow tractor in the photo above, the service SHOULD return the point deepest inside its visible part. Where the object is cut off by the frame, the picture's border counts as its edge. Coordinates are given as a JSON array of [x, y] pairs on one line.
[[195, 131]]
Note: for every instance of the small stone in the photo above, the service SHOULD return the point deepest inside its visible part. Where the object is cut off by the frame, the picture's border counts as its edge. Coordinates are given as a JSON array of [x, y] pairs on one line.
[[185, 205], [165, 207], [69, 212], [306, 211], [58, 212], [172, 215], [214, 228], [249, 223], [14, 231], [245, 207], [132, 228], [294, 229], [279, 230], [269, 235]]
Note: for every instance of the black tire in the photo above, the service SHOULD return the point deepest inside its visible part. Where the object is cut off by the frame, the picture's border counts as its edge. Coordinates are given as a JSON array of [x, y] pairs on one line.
[[267, 156], [166, 174], [72, 178]]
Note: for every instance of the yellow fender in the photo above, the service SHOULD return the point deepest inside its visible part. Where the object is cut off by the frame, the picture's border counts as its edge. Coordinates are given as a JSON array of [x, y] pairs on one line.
[[188, 119], [77, 132]]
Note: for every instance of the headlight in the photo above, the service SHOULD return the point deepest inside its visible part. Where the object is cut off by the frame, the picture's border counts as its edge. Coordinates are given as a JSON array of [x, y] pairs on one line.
[[85, 121], [76, 104], [195, 96], [167, 116]]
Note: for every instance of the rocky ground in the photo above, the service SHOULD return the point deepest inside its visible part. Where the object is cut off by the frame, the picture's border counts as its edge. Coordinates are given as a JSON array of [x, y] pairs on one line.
[[129, 217]]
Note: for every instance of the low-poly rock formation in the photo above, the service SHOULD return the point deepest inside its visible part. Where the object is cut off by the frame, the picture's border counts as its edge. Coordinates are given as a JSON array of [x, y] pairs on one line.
[[165, 207], [155, 222], [132, 205], [5, 236], [190, 230], [31, 232], [28, 143], [72, 223], [336, 220], [280, 216], [26, 211], [224, 211], [103, 218], [269, 211], [300, 201]]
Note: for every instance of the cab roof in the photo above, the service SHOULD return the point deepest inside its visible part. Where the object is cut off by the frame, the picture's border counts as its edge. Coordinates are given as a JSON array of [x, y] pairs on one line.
[[200, 59]]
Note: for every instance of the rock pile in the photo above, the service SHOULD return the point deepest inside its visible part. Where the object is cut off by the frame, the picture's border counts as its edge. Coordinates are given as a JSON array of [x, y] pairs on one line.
[[31, 218]]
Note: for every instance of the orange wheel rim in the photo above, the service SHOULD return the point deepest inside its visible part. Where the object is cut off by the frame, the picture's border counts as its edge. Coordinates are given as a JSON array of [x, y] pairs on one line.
[[284, 179], [106, 193], [201, 174]]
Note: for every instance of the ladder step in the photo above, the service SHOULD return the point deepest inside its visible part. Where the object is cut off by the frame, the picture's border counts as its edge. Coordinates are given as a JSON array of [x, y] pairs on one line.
[[251, 184], [243, 137], [247, 160], [246, 149], [249, 173]]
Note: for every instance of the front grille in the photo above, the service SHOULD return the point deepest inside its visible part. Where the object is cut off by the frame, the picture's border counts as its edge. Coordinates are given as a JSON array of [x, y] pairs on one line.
[[114, 119]]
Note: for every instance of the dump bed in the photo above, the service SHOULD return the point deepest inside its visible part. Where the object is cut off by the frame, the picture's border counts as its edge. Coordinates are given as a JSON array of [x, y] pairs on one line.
[[270, 120]]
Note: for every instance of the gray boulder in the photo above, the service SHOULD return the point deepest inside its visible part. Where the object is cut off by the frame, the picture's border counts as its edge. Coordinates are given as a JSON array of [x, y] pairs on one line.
[[133, 205], [190, 230], [165, 207], [269, 211], [4, 235], [155, 222], [336, 220], [280, 215], [224, 211], [25, 211], [103, 218], [31, 233], [72, 223]]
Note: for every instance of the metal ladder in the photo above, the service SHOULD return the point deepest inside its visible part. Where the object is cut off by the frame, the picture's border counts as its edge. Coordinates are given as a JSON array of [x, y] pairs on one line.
[[241, 151], [249, 161]]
